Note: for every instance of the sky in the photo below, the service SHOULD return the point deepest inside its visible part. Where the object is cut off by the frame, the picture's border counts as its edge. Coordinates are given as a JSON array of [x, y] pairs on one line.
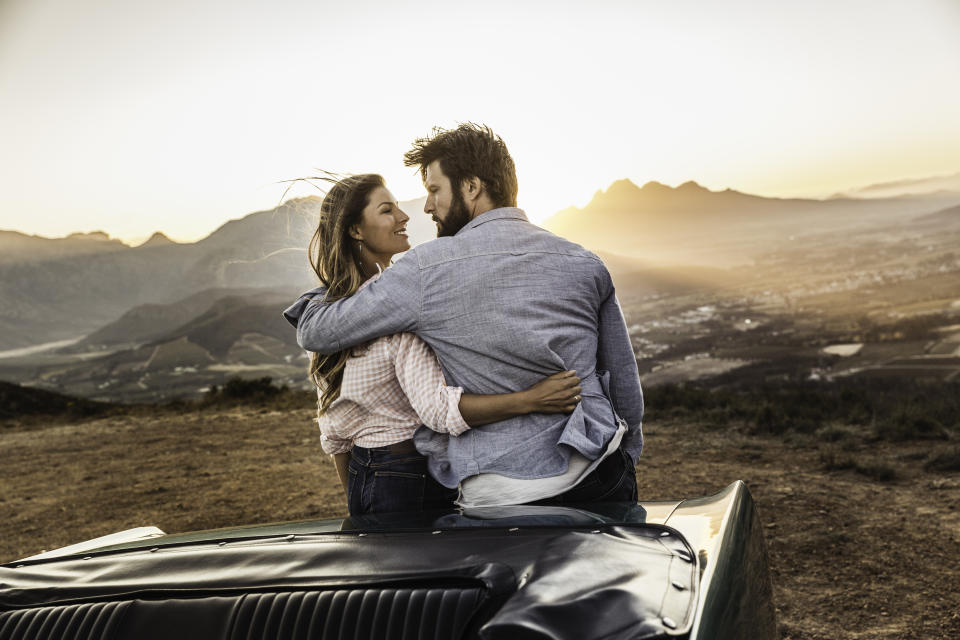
[[130, 116]]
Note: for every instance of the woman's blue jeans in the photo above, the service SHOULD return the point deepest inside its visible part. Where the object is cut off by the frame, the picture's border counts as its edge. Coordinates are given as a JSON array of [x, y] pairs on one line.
[[380, 481]]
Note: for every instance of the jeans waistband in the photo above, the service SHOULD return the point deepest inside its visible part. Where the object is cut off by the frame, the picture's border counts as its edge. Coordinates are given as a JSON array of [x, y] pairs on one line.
[[385, 452]]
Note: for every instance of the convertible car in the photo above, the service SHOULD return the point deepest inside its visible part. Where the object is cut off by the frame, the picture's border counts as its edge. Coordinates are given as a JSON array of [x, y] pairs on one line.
[[694, 568]]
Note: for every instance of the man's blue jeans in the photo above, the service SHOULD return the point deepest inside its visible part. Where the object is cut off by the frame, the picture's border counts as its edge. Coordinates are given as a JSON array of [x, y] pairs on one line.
[[614, 480], [381, 481]]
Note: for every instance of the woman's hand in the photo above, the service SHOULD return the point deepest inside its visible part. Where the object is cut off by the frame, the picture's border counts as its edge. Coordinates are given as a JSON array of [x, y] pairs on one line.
[[560, 393]]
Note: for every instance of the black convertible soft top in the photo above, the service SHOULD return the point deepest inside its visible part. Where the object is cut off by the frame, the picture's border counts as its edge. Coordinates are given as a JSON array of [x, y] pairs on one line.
[[607, 571]]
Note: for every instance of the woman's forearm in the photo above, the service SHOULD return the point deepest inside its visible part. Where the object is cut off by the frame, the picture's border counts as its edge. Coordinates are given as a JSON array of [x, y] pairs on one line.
[[559, 393], [484, 409], [340, 461]]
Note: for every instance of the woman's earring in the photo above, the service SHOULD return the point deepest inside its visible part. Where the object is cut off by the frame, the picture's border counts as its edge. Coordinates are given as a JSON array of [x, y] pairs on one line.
[[359, 248]]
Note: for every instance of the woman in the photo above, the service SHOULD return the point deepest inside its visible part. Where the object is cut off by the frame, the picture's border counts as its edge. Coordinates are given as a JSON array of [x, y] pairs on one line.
[[373, 398]]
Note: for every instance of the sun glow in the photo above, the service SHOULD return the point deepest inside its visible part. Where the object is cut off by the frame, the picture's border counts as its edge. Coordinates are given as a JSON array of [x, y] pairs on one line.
[[177, 117]]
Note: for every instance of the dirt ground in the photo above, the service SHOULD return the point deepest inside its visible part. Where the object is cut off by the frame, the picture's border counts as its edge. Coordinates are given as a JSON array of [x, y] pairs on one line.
[[852, 556]]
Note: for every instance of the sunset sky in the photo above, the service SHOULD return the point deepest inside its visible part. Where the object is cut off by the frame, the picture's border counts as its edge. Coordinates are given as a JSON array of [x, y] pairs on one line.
[[132, 116]]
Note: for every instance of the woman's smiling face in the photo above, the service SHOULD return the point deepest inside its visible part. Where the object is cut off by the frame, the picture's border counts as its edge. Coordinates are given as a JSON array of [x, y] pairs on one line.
[[383, 225]]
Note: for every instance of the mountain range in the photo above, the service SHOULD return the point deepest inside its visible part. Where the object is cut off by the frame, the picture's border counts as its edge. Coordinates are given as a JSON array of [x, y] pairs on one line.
[[58, 289], [910, 186], [163, 318], [65, 288], [690, 224]]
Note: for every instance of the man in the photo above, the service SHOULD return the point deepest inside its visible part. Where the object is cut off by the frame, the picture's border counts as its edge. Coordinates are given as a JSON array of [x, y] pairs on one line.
[[502, 303]]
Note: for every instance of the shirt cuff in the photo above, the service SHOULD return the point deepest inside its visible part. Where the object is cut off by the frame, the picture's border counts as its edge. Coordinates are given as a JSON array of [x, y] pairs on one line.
[[633, 443], [334, 445], [455, 424]]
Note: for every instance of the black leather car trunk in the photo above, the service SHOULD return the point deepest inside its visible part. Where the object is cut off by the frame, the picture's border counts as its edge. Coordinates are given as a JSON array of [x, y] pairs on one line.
[[404, 613], [606, 581]]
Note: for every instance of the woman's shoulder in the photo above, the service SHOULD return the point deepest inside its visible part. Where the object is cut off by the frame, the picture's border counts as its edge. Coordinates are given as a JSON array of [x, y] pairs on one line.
[[406, 338], [412, 349], [392, 346], [396, 342], [377, 346]]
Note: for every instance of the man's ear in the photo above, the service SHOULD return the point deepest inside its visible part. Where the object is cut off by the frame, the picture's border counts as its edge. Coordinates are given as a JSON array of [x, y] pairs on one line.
[[471, 188]]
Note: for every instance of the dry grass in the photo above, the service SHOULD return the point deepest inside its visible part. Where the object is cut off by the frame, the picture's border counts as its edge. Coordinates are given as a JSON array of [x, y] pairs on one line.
[[198, 470], [852, 556]]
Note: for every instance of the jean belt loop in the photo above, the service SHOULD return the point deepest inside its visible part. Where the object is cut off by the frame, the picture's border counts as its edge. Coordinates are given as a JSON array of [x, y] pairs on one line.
[[361, 455]]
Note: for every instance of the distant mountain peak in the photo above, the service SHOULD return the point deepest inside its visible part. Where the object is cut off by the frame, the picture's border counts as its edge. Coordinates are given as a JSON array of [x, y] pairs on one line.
[[624, 193], [906, 187], [653, 185], [618, 190], [691, 186], [158, 239], [99, 236]]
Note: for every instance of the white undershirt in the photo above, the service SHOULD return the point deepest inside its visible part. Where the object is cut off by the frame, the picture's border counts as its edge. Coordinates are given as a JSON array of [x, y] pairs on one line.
[[495, 490]]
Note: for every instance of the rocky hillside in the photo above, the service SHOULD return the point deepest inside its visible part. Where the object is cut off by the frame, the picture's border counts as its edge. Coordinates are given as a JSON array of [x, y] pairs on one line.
[[61, 289]]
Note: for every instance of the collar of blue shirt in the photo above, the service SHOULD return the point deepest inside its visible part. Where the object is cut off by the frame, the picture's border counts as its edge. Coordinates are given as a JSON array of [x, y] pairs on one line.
[[503, 213]]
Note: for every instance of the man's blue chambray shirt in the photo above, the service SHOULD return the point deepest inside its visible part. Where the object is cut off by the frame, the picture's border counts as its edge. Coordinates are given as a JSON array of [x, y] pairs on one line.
[[503, 304]]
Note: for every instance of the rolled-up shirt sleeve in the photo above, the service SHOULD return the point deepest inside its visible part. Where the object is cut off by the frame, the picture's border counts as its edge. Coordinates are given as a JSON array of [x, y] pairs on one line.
[[330, 442], [422, 381]]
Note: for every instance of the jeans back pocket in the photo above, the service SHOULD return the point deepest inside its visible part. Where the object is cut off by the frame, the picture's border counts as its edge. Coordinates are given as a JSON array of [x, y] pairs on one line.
[[396, 491]]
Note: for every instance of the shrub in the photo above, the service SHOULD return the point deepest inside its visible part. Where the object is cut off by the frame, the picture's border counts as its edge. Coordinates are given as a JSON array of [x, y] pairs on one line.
[[911, 425], [877, 471], [834, 460], [18, 402], [770, 418], [833, 434], [948, 460], [256, 391], [897, 409], [237, 387]]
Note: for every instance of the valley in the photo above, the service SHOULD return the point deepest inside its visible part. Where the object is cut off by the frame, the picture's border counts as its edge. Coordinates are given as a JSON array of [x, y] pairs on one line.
[[812, 290]]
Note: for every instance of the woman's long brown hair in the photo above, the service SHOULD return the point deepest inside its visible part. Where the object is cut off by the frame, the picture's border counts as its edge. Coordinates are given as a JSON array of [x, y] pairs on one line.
[[335, 258]]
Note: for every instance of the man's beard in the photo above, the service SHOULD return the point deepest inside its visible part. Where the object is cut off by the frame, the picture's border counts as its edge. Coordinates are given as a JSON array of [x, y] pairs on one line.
[[457, 217]]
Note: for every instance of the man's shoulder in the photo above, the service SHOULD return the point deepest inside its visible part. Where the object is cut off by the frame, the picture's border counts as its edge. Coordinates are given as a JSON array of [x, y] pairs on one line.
[[489, 240], [431, 251], [571, 247], [567, 249], [538, 237]]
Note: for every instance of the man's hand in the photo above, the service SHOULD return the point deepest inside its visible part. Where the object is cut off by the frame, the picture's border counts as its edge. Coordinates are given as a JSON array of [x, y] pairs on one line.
[[560, 393]]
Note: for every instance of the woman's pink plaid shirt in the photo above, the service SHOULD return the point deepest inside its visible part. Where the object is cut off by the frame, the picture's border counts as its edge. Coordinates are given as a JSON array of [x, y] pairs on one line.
[[391, 387]]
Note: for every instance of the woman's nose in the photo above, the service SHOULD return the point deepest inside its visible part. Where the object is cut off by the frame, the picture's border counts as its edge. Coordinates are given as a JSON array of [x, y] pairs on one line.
[[403, 217]]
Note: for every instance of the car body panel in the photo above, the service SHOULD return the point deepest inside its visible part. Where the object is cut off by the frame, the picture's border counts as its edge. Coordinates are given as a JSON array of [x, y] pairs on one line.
[[693, 568]]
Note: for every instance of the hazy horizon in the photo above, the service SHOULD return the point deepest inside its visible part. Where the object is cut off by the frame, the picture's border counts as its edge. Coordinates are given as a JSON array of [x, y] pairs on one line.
[[855, 192]]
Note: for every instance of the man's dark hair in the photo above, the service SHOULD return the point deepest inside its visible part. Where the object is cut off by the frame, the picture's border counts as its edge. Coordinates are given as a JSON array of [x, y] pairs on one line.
[[470, 150]]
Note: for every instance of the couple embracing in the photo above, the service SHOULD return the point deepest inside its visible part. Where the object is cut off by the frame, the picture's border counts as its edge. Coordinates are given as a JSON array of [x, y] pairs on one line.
[[488, 367]]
